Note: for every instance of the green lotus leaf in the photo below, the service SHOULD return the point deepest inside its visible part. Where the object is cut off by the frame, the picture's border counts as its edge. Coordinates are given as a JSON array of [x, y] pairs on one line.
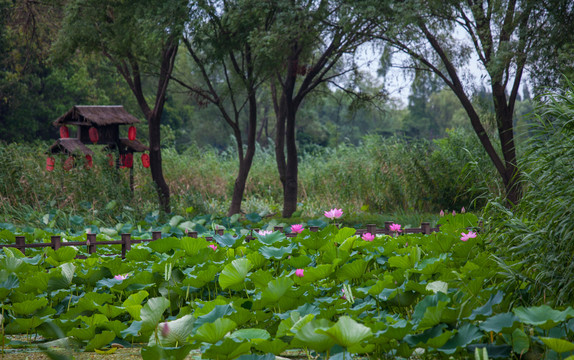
[[133, 330], [229, 348], [430, 266], [398, 330], [347, 332], [261, 278], [520, 342], [313, 274], [175, 220], [63, 254], [251, 334], [270, 239], [428, 301], [116, 326], [192, 246], [200, 278], [311, 337], [299, 262], [559, 345], [133, 304], [218, 312], [275, 347], [6, 286], [416, 340], [139, 254], [313, 241], [94, 320], [241, 315], [256, 259], [62, 277], [345, 238], [174, 333], [215, 331], [432, 316], [24, 325], [299, 322], [228, 240], [152, 313], [156, 352], [97, 298], [352, 270], [110, 311], [164, 245], [100, 340], [234, 273], [504, 322], [543, 316], [83, 334], [29, 307], [466, 334], [276, 289], [486, 309], [270, 252]]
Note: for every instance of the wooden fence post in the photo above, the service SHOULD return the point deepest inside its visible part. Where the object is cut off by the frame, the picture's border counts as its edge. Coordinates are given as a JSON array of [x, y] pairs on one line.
[[21, 244], [219, 232], [126, 244], [56, 242], [426, 228], [314, 228], [91, 243], [155, 235], [388, 227], [277, 228], [192, 234], [372, 229]]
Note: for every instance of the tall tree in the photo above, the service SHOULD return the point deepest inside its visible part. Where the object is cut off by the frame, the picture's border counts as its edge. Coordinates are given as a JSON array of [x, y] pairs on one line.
[[229, 72], [139, 38], [501, 34], [316, 36]]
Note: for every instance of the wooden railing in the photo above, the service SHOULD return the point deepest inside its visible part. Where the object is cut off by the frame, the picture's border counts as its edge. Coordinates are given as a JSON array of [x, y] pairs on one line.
[[126, 240]]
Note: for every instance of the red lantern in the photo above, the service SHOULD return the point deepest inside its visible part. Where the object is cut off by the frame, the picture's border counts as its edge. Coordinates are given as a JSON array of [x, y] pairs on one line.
[[111, 160], [69, 163], [126, 160], [64, 133], [145, 160], [89, 162], [132, 133], [50, 161], [94, 136]]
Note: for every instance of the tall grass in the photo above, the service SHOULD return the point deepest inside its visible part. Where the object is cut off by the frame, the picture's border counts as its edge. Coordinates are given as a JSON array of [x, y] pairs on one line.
[[537, 236], [381, 176]]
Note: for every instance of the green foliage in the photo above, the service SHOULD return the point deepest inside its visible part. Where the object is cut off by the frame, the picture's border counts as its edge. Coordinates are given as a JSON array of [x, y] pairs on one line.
[[432, 294], [534, 238]]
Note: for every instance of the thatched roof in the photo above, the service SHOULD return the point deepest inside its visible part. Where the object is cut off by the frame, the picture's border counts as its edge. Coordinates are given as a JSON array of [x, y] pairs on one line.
[[69, 146], [96, 115], [134, 145]]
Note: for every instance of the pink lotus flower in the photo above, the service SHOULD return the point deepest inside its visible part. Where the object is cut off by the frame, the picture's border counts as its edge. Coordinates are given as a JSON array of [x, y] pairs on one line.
[[334, 213], [368, 237], [441, 213], [465, 237], [395, 228], [300, 272], [453, 213], [265, 232], [343, 294], [164, 329], [463, 210], [297, 228], [121, 277], [214, 247]]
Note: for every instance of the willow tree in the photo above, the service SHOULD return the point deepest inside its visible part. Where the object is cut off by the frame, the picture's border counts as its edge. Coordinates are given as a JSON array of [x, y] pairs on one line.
[[141, 40], [227, 72], [313, 43], [443, 36]]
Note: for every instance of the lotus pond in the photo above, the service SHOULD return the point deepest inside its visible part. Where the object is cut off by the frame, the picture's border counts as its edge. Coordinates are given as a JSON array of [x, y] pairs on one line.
[[326, 294]]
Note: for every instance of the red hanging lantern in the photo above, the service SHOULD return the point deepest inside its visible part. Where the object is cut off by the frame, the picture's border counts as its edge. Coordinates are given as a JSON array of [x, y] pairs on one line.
[[50, 161], [69, 163], [94, 136], [111, 160], [64, 133], [145, 160], [132, 133], [89, 162], [128, 160]]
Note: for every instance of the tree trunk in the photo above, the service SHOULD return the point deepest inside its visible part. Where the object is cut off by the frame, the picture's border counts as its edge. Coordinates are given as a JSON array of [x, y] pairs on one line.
[[290, 187], [156, 163], [246, 161]]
